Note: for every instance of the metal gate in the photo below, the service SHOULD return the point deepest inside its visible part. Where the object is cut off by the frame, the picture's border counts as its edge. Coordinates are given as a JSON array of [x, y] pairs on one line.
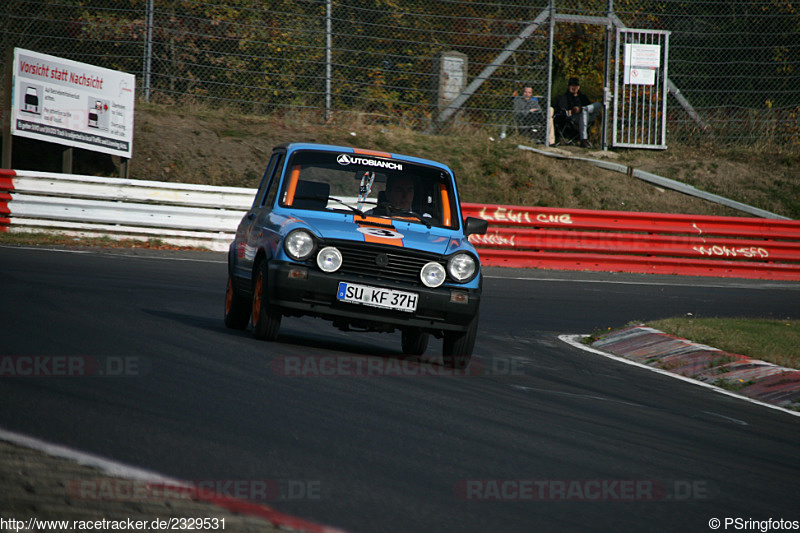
[[640, 89]]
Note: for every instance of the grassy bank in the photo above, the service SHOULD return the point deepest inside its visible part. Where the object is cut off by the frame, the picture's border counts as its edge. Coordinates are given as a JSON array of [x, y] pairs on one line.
[[772, 340], [216, 147], [194, 144], [61, 239]]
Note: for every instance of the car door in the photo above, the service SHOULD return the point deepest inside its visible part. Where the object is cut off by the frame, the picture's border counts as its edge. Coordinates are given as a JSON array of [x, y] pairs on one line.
[[250, 230]]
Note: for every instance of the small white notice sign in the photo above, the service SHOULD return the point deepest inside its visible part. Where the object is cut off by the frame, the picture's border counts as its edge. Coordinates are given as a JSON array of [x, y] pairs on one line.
[[642, 61]]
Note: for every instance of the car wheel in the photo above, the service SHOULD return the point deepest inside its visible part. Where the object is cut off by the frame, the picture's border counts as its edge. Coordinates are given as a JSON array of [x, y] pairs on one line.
[[266, 320], [457, 346], [414, 341], [237, 308]]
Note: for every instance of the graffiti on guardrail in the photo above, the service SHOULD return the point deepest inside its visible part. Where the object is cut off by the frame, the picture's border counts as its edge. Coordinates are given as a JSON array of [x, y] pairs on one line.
[[724, 251], [503, 214], [494, 239]]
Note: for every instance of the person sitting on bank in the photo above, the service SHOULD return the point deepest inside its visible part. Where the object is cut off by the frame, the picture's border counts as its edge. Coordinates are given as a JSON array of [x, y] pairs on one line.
[[527, 112], [580, 110]]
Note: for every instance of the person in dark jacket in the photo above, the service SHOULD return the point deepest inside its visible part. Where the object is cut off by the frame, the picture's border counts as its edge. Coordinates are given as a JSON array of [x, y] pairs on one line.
[[581, 112], [527, 113]]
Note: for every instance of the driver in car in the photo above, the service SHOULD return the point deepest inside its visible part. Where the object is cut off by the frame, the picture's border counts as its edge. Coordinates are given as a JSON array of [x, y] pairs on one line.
[[399, 198], [400, 192]]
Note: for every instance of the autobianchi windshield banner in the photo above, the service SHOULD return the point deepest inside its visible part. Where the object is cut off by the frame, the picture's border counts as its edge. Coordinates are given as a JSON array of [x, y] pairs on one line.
[[351, 159], [75, 104]]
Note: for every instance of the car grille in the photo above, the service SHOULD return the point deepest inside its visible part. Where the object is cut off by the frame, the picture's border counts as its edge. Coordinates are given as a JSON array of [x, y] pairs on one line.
[[401, 265]]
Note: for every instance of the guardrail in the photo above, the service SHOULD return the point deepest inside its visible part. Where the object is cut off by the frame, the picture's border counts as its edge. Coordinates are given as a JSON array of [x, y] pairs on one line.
[[618, 241], [565, 239], [176, 213]]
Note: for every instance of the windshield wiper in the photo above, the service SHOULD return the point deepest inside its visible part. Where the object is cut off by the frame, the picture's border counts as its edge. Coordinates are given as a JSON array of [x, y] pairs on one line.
[[359, 212], [348, 206], [396, 211]]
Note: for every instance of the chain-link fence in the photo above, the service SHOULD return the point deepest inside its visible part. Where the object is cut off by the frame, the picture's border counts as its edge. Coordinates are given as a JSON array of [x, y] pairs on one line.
[[735, 65]]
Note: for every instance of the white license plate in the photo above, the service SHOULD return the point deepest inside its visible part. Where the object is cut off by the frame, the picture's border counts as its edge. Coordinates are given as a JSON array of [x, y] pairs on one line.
[[377, 297]]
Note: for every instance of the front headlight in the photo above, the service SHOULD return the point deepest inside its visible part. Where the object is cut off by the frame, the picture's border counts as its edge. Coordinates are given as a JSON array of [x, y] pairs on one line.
[[462, 267], [329, 259], [299, 244], [432, 274]]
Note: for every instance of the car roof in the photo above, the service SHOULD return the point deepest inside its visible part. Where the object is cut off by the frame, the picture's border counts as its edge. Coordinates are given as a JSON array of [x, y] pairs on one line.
[[291, 147]]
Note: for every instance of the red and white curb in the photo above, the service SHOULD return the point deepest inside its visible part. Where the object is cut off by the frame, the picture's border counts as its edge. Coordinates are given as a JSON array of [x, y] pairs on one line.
[[772, 386], [120, 470]]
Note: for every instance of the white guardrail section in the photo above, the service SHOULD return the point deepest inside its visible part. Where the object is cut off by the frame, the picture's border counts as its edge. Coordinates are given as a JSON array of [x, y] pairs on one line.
[[179, 214]]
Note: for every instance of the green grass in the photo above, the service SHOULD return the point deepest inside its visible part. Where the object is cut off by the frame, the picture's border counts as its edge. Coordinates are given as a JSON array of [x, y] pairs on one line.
[[772, 340], [61, 239]]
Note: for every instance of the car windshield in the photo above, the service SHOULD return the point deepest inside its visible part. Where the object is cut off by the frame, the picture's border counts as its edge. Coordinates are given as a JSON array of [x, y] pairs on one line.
[[368, 185]]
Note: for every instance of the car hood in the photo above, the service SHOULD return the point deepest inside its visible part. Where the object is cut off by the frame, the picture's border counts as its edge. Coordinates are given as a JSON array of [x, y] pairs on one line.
[[382, 231]]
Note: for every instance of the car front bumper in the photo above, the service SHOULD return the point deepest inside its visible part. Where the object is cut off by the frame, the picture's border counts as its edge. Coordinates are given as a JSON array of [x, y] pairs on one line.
[[297, 289]]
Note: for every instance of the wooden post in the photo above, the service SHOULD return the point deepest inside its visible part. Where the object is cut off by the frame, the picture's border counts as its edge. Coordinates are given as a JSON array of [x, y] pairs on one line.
[[66, 160]]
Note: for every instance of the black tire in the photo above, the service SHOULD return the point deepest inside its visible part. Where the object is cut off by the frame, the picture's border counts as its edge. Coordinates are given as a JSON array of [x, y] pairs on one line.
[[414, 341], [266, 320], [237, 308], [457, 346]]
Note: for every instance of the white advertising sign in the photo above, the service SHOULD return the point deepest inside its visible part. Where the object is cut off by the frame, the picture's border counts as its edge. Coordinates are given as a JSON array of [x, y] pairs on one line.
[[71, 103], [641, 63]]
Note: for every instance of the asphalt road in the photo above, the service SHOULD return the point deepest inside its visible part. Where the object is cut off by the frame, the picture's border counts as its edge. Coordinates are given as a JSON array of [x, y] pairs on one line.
[[548, 438]]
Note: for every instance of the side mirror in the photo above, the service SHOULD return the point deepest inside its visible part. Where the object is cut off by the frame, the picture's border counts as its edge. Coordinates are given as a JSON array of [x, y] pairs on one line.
[[475, 226]]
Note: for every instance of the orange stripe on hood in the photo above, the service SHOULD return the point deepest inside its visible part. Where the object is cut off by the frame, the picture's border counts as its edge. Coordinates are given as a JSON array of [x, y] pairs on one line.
[[375, 237]]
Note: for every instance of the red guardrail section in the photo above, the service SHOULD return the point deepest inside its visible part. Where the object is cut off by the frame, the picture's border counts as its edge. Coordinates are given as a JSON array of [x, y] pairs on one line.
[[619, 241], [616, 241], [6, 186]]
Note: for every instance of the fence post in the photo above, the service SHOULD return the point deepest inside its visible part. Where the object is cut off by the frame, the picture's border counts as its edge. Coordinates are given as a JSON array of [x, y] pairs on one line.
[[546, 107], [328, 54], [5, 113], [148, 49], [606, 77]]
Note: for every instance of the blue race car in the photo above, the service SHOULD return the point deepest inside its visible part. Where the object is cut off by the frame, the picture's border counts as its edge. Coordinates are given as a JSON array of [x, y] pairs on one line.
[[372, 241]]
